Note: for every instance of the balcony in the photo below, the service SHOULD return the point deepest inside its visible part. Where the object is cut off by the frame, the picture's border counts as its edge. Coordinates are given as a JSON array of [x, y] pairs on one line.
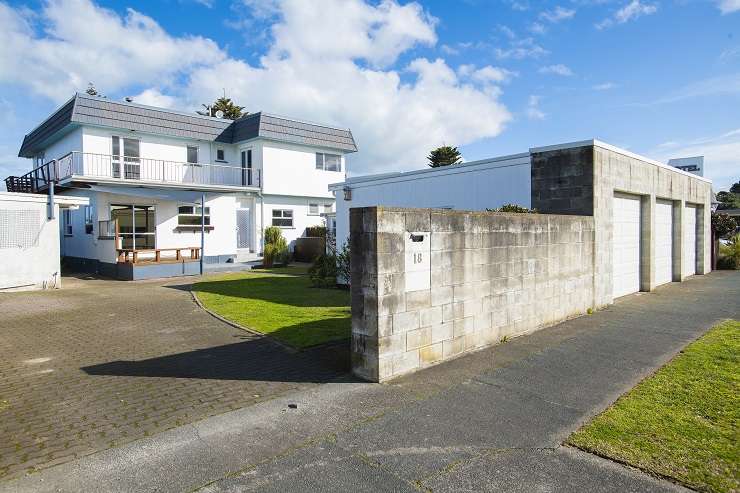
[[84, 166]]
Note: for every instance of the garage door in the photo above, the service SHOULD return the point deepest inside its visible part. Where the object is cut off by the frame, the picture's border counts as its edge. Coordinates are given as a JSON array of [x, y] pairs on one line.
[[626, 244], [689, 240], [663, 242]]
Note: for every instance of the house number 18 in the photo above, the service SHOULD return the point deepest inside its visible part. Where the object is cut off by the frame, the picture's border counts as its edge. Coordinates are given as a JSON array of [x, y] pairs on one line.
[[417, 258]]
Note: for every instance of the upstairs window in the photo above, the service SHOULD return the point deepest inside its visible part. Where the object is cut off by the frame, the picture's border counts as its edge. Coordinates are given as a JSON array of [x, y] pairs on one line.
[[313, 209], [282, 218], [192, 155], [328, 208], [189, 216], [220, 155], [328, 162]]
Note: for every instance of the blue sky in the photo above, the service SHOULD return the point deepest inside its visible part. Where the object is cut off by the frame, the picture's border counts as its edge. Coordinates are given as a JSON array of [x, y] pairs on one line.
[[661, 78]]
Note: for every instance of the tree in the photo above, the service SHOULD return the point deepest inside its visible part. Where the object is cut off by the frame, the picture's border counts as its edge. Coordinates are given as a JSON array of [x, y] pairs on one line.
[[513, 208], [735, 188], [723, 225], [231, 110], [728, 200], [444, 156]]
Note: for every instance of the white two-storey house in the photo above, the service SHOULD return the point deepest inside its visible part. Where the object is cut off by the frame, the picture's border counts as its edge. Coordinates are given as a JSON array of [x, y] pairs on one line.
[[146, 171]]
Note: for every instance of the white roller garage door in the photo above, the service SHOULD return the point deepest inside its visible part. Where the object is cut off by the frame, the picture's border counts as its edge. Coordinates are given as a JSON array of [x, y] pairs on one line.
[[626, 245], [689, 240], [663, 242]]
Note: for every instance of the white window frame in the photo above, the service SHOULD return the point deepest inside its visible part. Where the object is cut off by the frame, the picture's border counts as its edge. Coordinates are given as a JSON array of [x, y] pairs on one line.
[[328, 208], [194, 212], [221, 159], [67, 222], [316, 211], [321, 161], [281, 217]]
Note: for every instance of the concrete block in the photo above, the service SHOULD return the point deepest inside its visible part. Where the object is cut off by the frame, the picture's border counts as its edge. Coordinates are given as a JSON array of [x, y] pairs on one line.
[[390, 222], [391, 304], [431, 354], [440, 295], [430, 316], [453, 347], [442, 332], [416, 300], [405, 362], [418, 338], [418, 220], [404, 322], [393, 344]]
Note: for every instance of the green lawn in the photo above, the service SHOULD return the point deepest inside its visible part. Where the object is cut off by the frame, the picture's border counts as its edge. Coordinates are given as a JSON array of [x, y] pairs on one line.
[[683, 421], [280, 302]]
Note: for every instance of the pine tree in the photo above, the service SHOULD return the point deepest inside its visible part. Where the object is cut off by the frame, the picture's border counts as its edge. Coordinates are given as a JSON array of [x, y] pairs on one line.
[[444, 156]]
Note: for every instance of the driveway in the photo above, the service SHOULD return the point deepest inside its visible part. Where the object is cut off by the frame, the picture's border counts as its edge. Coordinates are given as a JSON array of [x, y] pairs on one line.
[[101, 363], [490, 421]]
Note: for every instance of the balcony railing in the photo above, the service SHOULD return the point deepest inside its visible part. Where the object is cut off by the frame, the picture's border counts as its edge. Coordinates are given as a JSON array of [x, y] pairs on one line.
[[133, 169]]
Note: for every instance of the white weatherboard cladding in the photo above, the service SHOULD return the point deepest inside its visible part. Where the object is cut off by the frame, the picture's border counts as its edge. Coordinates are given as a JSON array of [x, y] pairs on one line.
[[626, 245], [663, 242], [417, 265], [689, 240]]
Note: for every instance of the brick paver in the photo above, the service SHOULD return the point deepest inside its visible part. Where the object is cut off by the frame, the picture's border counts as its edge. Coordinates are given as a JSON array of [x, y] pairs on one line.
[[101, 363]]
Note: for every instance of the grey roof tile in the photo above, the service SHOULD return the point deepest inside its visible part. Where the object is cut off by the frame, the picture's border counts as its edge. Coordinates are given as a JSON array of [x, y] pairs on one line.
[[93, 110]]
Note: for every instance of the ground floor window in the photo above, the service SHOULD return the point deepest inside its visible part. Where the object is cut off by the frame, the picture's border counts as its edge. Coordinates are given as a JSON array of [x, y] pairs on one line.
[[282, 218], [189, 216], [67, 222], [136, 226], [88, 219]]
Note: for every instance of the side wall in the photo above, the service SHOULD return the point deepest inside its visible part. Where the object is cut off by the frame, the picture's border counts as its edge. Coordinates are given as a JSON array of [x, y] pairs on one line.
[[464, 187], [36, 264], [491, 276]]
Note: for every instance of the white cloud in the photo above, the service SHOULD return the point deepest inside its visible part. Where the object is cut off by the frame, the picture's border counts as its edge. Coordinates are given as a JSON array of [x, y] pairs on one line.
[[631, 11], [521, 48], [605, 86], [557, 14], [449, 50], [82, 42], [346, 75], [537, 28], [713, 86], [533, 110], [558, 69], [728, 6], [153, 97], [487, 74], [720, 156]]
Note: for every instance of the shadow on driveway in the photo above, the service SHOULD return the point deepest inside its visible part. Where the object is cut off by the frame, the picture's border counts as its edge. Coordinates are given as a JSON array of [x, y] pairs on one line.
[[252, 359]]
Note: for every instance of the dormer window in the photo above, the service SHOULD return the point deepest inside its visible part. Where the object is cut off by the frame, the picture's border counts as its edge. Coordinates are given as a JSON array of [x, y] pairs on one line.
[[328, 162]]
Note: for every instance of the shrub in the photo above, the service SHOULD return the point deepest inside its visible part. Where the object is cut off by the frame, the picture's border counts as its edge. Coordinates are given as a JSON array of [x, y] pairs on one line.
[[513, 208], [331, 267], [316, 232], [272, 234], [276, 248], [323, 272], [730, 254]]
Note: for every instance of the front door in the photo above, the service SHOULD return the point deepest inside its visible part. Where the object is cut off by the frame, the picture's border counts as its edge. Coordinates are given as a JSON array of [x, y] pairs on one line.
[[242, 228]]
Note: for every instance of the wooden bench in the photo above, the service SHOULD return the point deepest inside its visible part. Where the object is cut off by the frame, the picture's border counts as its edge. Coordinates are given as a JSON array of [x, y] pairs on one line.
[[127, 255]]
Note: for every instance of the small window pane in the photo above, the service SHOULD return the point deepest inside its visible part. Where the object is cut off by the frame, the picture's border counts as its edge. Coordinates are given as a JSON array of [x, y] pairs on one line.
[[220, 154], [192, 155], [185, 209], [327, 208], [116, 146], [333, 162], [130, 147], [313, 209], [319, 161]]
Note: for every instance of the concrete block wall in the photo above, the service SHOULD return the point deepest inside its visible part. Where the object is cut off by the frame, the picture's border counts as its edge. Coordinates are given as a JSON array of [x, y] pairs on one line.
[[492, 276], [589, 175]]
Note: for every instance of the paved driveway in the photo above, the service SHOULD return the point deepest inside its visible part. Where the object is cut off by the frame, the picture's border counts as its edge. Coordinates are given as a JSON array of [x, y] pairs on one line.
[[101, 363], [490, 421]]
